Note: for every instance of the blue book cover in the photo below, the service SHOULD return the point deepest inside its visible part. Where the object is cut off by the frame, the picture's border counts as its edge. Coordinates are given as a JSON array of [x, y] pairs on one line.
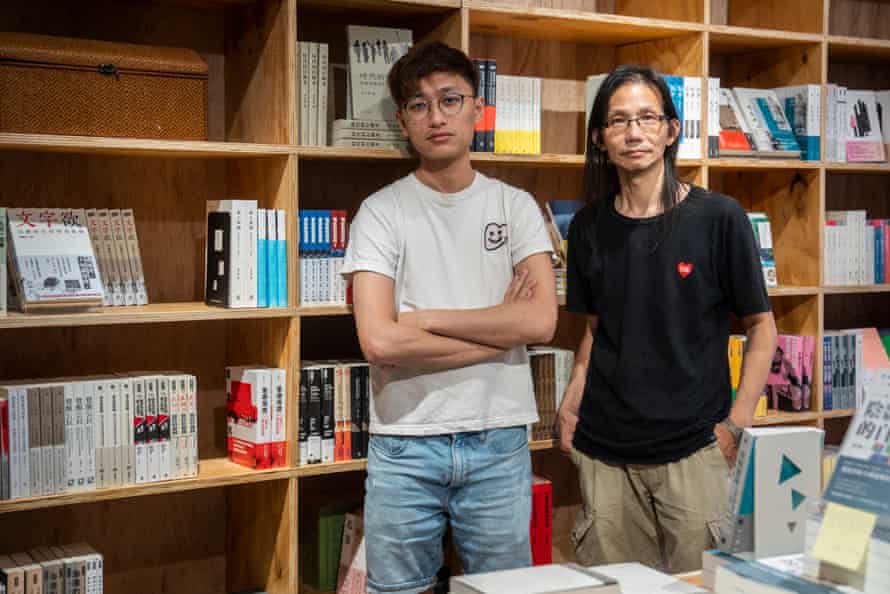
[[272, 258], [827, 402], [281, 245], [675, 84], [782, 139]]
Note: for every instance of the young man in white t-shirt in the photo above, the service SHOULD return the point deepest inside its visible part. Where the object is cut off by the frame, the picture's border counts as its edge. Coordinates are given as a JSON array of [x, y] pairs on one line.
[[452, 277]]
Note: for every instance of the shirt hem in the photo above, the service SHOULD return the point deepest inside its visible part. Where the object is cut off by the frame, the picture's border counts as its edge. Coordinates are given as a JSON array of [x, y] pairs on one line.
[[453, 427]]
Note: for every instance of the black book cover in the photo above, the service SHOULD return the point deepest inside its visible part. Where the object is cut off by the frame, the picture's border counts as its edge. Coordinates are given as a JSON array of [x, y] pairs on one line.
[[216, 289]]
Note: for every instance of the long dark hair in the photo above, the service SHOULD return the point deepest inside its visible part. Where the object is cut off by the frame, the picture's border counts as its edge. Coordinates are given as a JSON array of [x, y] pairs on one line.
[[600, 175]]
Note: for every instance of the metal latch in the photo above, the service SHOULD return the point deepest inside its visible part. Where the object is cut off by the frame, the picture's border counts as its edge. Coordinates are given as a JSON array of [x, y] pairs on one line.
[[109, 70]]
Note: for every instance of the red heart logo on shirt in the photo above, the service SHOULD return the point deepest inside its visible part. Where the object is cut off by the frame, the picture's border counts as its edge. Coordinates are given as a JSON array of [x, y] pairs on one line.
[[684, 268]]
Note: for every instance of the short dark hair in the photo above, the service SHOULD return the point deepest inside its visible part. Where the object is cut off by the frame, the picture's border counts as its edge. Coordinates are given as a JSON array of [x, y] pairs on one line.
[[600, 175], [422, 60]]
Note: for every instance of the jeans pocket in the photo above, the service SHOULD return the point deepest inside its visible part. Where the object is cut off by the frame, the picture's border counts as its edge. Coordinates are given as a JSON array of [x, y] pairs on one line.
[[391, 446], [507, 441]]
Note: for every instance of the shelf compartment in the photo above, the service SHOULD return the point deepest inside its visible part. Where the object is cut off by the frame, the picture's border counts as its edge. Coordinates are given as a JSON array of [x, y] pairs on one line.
[[859, 18], [802, 16]]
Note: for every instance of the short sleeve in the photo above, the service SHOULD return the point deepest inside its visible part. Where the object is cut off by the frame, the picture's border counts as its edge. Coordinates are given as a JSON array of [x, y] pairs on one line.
[[528, 234], [373, 240], [579, 297], [741, 274]]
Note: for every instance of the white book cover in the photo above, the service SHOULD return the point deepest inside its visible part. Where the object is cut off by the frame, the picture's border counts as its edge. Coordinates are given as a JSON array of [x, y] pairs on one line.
[[96, 391], [95, 231], [71, 471], [152, 447], [139, 428], [830, 145], [272, 258], [592, 87], [52, 259], [193, 466], [106, 237], [713, 117], [869, 268], [304, 92], [47, 451], [122, 257], [114, 432], [728, 101], [313, 94], [241, 284], [344, 126], [690, 144], [322, 108], [864, 142], [59, 451], [128, 219], [372, 52], [35, 453], [89, 450], [537, 116], [840, 116], [127, 453], [281, 264], [175, 469], [767, 121], [279, 416], [163, 428], [636, 578], [540, 579]]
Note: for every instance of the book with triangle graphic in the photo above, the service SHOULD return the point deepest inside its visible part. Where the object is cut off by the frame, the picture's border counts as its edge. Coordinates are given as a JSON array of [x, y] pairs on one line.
[[777, 474]]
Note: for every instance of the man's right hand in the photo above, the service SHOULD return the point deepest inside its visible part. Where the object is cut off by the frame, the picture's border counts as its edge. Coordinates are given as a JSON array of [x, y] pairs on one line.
[[568, 415]]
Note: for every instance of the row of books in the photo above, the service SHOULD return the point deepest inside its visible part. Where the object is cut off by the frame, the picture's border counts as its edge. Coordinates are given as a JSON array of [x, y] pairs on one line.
[[856, 249], [551, 371], [512, 118], [68, 569], [736, 352], [323, 237], [334, 411], [256, 416], [313, 77], [790, 380], [483, 135], [246, 255], [63, 436], [69, 257], [686, 94]]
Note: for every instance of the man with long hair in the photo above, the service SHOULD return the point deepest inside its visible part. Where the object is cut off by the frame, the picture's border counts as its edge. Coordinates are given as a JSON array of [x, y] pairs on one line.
[[658, 266]]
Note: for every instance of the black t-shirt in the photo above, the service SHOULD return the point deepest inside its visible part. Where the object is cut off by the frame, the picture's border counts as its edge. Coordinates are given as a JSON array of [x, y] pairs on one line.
[[658, 378]]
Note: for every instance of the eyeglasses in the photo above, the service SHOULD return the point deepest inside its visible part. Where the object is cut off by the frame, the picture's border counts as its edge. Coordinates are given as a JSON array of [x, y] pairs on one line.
[[450, 104], [648, 122]]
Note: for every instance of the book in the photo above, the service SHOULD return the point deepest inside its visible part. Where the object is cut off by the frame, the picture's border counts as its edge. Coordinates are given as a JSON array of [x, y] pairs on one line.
[[760, 578], [52, 263], [372, 52], [636, 578], [763, 235], [802, 107], [766, 119], [882, 107], [236, 249], [864, 140], [542, 579], [734, 136], [128, 219], [352, 576]]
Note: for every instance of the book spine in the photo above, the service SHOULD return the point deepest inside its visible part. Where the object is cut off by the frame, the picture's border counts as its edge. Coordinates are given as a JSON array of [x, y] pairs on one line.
[[281, 244], [262, 259], [303, 427], [194, 464], [47, 451], [313, 93], [3, 273], [713, 117], [304, 92], [272, 258], [491, 69], [314, 435], [132, 239], [152, 455], [327, 414], [35, 461], [121, 257], [4, 448], [479, 129], [322, 124]]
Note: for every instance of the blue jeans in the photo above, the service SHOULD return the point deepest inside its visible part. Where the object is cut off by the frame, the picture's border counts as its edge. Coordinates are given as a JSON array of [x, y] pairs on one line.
[[480, 482]]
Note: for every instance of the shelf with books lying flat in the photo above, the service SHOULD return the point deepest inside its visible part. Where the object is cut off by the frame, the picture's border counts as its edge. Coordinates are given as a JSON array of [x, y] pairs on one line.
[[570, 25], [214, 472], [789, 291], [156, 313], [775, 417], [139, 147], [324, 310], [855, 289]]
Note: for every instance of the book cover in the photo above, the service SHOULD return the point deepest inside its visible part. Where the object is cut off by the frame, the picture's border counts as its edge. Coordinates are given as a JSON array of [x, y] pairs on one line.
[[128, 219], [52, 259], [262, 259], [122, 257], [219, 253], [372, 52], [864, 140], [763, 234], [802, 107], [734, 133], [766, 118]]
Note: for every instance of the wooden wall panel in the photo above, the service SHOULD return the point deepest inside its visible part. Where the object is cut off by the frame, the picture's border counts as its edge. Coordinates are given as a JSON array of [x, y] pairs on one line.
[[860, 18]]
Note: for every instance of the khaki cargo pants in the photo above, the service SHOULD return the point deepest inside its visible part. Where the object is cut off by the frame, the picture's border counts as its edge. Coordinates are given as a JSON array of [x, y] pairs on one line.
[[657, 515]]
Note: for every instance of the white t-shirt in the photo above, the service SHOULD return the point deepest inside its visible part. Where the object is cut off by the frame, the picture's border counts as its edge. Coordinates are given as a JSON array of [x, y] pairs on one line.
[[448, 251]]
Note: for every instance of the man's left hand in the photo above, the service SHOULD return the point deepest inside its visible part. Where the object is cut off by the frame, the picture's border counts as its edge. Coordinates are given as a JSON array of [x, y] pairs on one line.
[[726, 443]]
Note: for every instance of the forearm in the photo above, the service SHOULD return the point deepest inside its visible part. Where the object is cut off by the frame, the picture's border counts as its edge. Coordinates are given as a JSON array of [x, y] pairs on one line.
[[759, 351], [502, 326], [413, 348]]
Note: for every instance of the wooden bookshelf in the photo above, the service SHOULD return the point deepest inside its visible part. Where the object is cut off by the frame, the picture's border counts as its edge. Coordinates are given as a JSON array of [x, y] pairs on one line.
[[232, 529]]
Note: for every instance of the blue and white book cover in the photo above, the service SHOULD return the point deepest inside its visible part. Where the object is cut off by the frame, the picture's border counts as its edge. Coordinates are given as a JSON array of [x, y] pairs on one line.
[[262, 246], [272, 258], [281, 244]]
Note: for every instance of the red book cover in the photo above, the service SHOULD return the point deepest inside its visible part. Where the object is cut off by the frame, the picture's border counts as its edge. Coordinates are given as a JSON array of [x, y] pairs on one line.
[[541, 530]]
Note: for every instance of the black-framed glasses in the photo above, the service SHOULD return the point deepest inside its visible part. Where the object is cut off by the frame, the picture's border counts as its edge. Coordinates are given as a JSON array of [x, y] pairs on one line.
[[450, 104], [648, 122]]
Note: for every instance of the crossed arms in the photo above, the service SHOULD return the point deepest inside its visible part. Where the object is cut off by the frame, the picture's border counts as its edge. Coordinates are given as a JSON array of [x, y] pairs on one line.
[[448, 338]]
